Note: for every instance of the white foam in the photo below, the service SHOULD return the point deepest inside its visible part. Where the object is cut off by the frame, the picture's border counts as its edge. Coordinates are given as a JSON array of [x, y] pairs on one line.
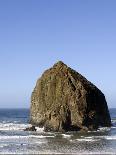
[[113, 127], [104, 129], [39, 129], [13, 126], [17, 126], [110, 137], [101, 129], [41, 136], [113, 120], [57, 153], [113, 137], [66, 135], [30, 136], [87, 140], [89, 137], [3, 145]]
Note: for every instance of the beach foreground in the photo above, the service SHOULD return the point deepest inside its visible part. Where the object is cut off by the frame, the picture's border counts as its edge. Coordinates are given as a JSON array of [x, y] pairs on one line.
[[14, 140]]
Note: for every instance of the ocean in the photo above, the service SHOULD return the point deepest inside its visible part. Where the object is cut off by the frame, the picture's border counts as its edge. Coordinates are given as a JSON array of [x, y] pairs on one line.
[[14, 140]]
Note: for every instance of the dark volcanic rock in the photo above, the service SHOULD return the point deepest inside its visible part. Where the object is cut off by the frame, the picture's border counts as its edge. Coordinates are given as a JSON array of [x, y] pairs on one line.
[[32, 128], [64, 100]]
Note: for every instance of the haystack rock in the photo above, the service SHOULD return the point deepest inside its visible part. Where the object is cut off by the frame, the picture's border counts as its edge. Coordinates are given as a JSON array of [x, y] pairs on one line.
[[64, 100]]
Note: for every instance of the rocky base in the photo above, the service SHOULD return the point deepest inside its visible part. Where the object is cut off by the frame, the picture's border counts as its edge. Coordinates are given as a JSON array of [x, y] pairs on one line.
[[32, 128]]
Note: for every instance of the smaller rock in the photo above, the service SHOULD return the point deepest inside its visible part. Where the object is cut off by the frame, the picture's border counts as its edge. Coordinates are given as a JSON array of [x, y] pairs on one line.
[[83, 130], [32, 128]]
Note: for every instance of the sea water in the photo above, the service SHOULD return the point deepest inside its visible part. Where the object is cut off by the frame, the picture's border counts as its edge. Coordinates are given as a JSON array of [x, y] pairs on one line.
[[14, 140]]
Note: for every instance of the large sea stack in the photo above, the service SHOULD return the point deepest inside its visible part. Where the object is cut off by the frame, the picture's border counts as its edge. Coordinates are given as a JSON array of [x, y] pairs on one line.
[[64, 100]]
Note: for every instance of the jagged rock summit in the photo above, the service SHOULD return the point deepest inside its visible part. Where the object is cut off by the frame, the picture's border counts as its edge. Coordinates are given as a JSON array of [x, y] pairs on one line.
[[64, 100]]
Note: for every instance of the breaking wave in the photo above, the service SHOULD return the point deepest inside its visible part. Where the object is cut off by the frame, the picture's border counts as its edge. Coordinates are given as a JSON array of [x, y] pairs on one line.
[[16, 127], [13, 126]]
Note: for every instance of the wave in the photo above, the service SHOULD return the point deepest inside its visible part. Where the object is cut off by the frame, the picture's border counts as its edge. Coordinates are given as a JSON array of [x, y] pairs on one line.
[[110, 137], [16, 127], [26, 137], [113, 127], [87, 140], [82, 138], [13, 126], [113, 137], [66, 136], [39, 129], [3, 145], [104, 129], [94, 138], [113, 121], [61, 153]]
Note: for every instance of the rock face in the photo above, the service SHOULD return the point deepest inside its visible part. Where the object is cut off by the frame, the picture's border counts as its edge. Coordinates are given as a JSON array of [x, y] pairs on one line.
[[64, 100]]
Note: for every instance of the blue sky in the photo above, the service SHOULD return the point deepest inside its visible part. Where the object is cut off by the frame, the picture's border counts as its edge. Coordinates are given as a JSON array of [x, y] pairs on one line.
[[34, 34]]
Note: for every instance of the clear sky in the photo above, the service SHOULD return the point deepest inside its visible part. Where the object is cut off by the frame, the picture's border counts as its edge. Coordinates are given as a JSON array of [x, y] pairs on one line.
[[34, 34]]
